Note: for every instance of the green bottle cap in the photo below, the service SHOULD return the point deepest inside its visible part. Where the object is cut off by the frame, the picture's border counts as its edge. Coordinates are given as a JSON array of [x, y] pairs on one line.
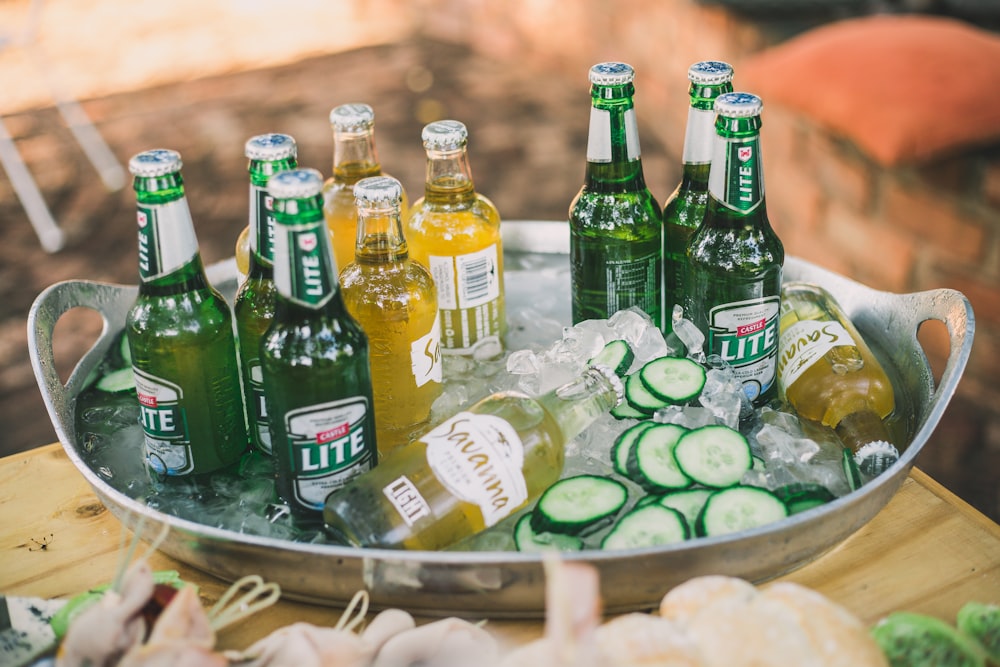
[[352, 117], [611, 74], [444, 135], [738, 105], [384, 190], [710, 72], [156, 162], [270, 147], [295, 184]]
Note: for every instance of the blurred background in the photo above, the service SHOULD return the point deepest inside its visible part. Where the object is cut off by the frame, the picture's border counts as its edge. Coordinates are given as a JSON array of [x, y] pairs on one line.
[[202, 77]]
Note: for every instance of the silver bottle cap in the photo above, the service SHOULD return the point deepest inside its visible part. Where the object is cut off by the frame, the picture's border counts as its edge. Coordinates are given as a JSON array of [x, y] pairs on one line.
[[613, 379], [295, 184], [444, 135], [352, 117], [875, 457], [710, 72], [738, 105], [384, 190], [270, 147], [156, 162], [611, 74]]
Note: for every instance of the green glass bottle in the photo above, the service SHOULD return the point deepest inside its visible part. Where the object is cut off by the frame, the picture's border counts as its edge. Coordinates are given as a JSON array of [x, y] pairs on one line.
[[616, 227], [395, 300], [180, 334], [685, 207], [735, 260], [254, 305], [317, 381]]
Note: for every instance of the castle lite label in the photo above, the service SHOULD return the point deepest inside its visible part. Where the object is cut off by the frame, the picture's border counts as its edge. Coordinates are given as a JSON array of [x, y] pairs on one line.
[[745, 335], [164, 424]]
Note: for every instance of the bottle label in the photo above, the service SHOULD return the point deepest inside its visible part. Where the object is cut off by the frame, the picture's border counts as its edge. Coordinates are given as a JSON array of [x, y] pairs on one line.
[[425, 356], [699, 136], [745, 335], [164, 424], [736, 179], [262, 224], [166, 238], [633, 282], [328, 446], [406, 498], [468, 289], [306, 274], [259, 407], [803, 344], [479, 459], [599, 139]]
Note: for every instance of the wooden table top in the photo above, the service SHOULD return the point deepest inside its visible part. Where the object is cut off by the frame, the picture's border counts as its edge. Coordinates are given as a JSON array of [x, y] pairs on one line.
[[927, 551]]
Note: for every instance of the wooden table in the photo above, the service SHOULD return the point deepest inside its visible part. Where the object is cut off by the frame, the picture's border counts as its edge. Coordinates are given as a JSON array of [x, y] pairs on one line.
[[926, 551]]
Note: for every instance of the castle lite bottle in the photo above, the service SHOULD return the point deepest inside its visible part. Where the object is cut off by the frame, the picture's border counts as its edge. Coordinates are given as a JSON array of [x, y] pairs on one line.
[[616, 228], [455, 232], [735, 260], [254, 305], [259, 174], [828, 373], [472, 470], [317, 381], [354, 158], [685, 207], [180, 334], [395, 301]]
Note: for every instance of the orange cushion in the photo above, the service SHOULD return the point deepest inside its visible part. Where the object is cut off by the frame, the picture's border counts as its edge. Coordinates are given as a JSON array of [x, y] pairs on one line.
[[904, 89]]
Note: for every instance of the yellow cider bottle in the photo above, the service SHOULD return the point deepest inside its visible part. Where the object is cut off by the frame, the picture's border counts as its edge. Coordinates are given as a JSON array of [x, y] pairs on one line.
[[455, 232], [394, 300]]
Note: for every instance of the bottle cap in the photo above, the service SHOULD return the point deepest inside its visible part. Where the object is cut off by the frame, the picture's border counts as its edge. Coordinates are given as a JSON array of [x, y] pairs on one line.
[[738, 105], [348, 117], [378, 190], [295, 184], [444, 135], [157, 162], [875, 457], [613, 380], [710, 72], [270, 147], [611, 74]]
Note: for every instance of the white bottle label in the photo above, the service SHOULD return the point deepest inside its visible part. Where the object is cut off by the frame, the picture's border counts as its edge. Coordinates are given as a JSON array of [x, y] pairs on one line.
[[804, 343], [425, 356], [699, 136], [164, 426], [479, 460], [406, 498], [258, 410], [599, 137], [166, 238], [745, 335], [468, 289]]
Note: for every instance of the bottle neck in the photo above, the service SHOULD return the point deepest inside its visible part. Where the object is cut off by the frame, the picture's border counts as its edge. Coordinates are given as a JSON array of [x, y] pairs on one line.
[[736, 177], [613, 153], [865, 434], [261, 210], [354, 155], [576, 405], [380, 235], [449, 177], [305, 273], [168, 248]]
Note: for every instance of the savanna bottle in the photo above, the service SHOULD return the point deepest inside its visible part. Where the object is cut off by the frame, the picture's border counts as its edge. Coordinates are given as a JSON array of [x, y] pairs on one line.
[[354, 158], [455, 232], [685, 207], [180, 334], [470, 471], [829, 375], [317, 381], [616, 227], [253, 308], [394, 300], [735, 260]]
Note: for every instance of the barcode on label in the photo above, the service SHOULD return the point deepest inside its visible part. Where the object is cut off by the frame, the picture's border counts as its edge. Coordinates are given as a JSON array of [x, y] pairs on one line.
[[475, 280]]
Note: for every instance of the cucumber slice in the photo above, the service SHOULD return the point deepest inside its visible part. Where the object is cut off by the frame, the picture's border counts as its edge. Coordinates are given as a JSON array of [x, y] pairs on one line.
[[122, 379], [526, 539], [616, 355], [575, 504], [647, 526], [640, 398], [715, 456], [651, 462], [799, 497], [675, 380], [911, 639], [739, 508], [687, 501], [623, 445], [625, 411]]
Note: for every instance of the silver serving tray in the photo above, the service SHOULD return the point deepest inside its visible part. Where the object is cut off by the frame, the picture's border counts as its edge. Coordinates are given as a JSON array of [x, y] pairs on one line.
[[504, 584]]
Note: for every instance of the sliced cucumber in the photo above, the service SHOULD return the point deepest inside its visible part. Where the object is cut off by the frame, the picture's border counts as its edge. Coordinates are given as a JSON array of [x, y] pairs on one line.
[[526, 539], [647, 526], [122, 379], [739, 508], [616, 355], [715, 456], [802, 496], [687, 501], [651, 462], [575, 504], [623, 445], [639, 397], [625, 411], [675, 380]]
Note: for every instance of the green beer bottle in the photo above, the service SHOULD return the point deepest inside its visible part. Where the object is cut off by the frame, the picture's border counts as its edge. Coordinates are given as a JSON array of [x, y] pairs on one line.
[[735, 259], [685, 207], [254, 305], [180, 334], [616, 228], [317, 381]]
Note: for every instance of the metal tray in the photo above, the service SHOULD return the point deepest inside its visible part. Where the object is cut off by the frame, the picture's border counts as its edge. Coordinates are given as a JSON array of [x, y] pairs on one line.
[[503, 584]]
